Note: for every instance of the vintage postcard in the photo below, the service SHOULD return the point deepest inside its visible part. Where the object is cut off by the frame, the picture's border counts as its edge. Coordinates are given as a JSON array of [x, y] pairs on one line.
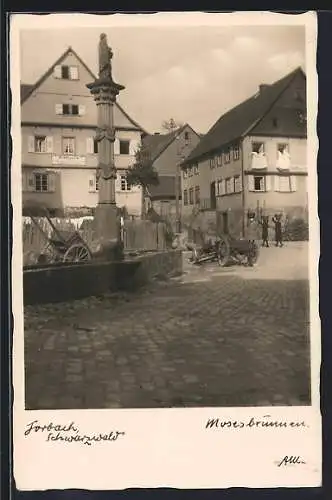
[[165, 250]]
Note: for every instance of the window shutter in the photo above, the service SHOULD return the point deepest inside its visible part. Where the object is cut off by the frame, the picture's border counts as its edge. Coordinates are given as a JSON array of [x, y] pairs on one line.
[[57, 72], [31, 144], [73, 72], [293, 183], [81, 109], [268, 183], [276, 183], [58, 109], [51, 182], [117, 147], [251, 183], [92, 183], [89, 145], [49, 144], [30, 180], [133, 146]]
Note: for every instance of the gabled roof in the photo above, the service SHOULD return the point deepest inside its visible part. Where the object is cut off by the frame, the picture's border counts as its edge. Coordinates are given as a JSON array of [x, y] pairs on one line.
[[165, 189], [238, 121], [156, 144], [28, 89]]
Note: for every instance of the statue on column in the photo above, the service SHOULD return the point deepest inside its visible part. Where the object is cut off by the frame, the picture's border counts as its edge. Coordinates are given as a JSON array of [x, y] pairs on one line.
[[105, 56]]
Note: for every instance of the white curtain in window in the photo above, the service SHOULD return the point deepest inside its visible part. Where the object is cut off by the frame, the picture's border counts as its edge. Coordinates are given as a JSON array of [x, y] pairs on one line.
[[258, 160], [283, 159]]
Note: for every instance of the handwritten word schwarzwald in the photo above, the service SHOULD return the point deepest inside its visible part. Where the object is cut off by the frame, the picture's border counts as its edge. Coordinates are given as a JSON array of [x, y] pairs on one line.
[[69, 433]]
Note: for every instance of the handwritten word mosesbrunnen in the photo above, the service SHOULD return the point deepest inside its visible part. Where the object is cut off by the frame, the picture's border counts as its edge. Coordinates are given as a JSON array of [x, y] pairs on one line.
[[253, 423], [69, 433]]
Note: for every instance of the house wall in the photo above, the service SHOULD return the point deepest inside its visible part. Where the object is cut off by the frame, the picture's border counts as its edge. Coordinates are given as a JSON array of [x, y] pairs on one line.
[[72, 176], [167, 162]]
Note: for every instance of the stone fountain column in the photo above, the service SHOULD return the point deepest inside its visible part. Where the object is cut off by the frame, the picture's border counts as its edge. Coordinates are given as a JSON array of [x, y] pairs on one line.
[[105, 92]]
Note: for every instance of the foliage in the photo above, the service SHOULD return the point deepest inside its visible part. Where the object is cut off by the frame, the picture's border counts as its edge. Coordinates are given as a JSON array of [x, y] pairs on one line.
[[142, 173], [296, 230], [170, 125]]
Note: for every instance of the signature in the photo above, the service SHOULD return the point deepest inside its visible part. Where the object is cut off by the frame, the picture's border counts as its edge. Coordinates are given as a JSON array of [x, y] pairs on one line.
[[291, 460]]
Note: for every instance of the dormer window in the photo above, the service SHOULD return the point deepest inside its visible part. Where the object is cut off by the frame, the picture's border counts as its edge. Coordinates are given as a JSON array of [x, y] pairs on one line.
[[186, 137], [70, 109]]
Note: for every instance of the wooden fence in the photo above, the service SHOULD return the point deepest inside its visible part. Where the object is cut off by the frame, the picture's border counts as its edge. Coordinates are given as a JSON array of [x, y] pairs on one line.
[[138, 235]]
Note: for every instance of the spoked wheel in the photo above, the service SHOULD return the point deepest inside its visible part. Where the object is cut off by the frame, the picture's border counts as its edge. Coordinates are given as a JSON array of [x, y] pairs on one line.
[[223, 252], [77, 253]]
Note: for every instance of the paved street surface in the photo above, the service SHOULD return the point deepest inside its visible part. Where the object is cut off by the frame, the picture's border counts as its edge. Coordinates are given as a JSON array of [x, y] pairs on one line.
[[214, 337]]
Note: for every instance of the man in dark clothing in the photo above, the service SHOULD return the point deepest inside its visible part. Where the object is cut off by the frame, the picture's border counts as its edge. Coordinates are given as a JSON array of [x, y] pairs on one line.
[[265, 230], [278, 229], [252, 235]]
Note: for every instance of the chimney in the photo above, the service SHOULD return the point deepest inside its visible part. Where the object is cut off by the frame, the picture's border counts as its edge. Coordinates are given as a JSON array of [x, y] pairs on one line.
[[262, 87]]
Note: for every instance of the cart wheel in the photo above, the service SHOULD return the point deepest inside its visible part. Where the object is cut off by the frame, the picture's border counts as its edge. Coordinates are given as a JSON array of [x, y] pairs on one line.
[[223, 252], [77, 253]]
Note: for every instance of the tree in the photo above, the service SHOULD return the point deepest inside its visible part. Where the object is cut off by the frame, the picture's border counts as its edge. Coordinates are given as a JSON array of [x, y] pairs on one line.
[[142, 173], [171, 125]]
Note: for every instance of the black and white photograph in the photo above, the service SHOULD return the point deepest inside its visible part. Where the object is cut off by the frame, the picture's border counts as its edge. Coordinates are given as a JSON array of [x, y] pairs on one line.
[[166, 215]]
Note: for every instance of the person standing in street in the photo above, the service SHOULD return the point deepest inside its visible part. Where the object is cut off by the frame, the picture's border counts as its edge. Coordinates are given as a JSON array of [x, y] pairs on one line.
[[265, 230], [252, 235], [278, 229]]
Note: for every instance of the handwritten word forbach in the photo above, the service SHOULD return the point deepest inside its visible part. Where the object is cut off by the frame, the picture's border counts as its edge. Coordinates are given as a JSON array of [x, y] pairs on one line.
[[69, 433], [254, 423]]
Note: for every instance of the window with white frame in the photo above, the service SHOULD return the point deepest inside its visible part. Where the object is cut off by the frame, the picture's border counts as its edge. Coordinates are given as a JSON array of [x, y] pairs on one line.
[[236, 152], [227, 155], [124, 147], [41, 182], [256, 183], [237, 184], [124, 184], [191, 196], [230, 185], [285, 183], [195, 169], [197, 195], [68, 145], [258, 147], [221, 187], [185, 197], [40, 144], [66, 72], [70, 109]]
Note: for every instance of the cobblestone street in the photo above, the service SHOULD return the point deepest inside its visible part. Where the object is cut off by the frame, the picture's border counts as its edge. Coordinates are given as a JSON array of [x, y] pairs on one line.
[[214, 337]]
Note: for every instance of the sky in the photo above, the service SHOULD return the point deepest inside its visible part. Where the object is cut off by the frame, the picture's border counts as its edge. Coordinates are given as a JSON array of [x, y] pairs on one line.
[[192, 74]]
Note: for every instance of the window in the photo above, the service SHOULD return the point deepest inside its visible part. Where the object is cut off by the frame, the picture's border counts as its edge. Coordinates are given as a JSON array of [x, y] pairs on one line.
[[186, 137], [195, 169], [258, 183], [284, 184], [41, 182], [227, 156], [236, 152], [70, 109], [190, 172], [95, 146], [230, 185], [258, 147], [40, 144], [124, 147], [219, 160], [191, 196], [68, 145], [185, 174], [221, 187], [212, 162], [197, 195], [283, 148], [237, 184], [65, 72], [123, 183], [185, 197]]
